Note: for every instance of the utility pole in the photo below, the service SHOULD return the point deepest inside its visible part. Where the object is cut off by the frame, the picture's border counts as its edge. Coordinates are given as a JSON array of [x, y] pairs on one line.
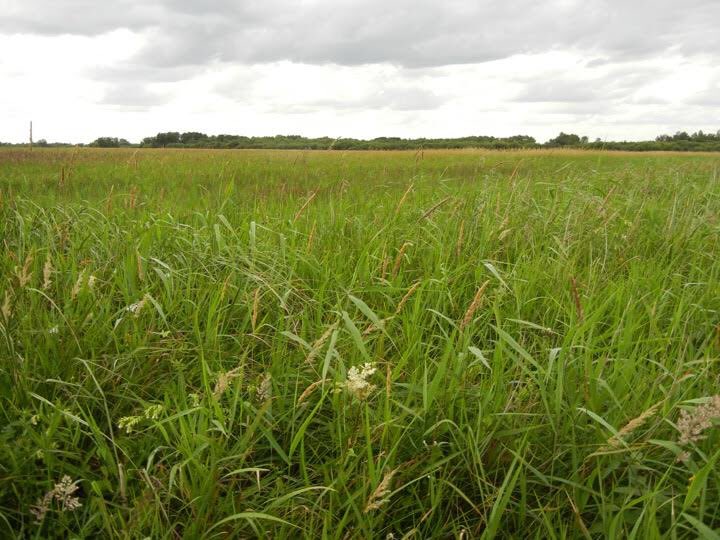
[[31, 135]]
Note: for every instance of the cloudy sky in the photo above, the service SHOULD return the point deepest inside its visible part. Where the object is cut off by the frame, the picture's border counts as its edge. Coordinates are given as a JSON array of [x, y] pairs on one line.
[[613, 69]]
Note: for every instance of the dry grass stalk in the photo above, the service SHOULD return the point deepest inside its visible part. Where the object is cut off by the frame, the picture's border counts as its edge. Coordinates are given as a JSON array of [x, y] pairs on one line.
[[515, 171], [226, 285], [384, 266], [109, 200], [576, 298], [636, 423], [460, 240], [578, 517], [311, 237], [399, 258], [139, 263], [474, 305], [402, 199], [309, 390], [255, 309], [305, 205], [319, 343], [407, 296], [432, 209], [133, 159], [372, 327], [379, 496], [132, 198]]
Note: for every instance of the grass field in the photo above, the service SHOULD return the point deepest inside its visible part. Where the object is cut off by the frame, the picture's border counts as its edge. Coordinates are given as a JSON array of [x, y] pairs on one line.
[[448, 344]]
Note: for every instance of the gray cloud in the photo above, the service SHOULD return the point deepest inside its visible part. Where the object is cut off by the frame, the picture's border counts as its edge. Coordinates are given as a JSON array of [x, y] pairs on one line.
[[585, 90], [708, 97], [132, 95], [397, 99], [411, 33], [559, 91], [185, 38]]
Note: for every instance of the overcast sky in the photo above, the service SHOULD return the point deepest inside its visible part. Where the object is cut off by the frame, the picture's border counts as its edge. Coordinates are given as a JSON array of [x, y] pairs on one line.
[[613, 69]]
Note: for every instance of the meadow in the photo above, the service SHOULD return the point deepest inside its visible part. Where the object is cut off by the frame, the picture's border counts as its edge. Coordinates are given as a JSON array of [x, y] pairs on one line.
[[326, 344]]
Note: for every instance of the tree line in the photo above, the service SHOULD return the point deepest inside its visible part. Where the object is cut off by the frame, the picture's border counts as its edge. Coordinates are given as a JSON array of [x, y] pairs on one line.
[[680, 141]]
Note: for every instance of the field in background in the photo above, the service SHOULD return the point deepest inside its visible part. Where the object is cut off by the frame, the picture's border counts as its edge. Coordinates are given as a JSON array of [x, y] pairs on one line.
[[359, 345]]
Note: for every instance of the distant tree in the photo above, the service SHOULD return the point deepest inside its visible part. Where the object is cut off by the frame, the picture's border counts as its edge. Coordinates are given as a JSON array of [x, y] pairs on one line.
[[42, 142], [192, 137], [109, 142], [164, 139], [566, 139]]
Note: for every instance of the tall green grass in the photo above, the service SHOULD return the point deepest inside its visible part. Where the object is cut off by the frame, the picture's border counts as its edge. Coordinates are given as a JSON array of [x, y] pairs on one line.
[[178, 328]]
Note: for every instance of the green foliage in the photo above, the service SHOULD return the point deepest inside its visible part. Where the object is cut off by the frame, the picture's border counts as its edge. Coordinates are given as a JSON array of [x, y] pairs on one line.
[[284, 344], [290, 142], [109, 142]]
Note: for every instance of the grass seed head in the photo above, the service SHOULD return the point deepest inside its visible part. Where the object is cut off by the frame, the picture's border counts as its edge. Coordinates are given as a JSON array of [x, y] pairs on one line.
[[78, 285], [7, 306], [264, 390], [47, 273], [63, 493], [474, 305], [223, 382], [24, 274], [379, 496]]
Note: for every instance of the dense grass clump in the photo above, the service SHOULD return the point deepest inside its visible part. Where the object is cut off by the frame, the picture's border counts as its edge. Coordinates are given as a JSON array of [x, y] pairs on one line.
[[211, 344]]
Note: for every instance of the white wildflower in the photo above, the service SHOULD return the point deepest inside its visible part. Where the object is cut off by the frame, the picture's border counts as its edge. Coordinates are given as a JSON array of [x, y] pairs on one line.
[[137, 307], [54, 329], [64, 491], [692, 424], [357, 383]]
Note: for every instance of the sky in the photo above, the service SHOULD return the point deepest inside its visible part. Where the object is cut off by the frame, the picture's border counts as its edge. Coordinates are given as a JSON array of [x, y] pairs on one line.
[[608, 69]]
